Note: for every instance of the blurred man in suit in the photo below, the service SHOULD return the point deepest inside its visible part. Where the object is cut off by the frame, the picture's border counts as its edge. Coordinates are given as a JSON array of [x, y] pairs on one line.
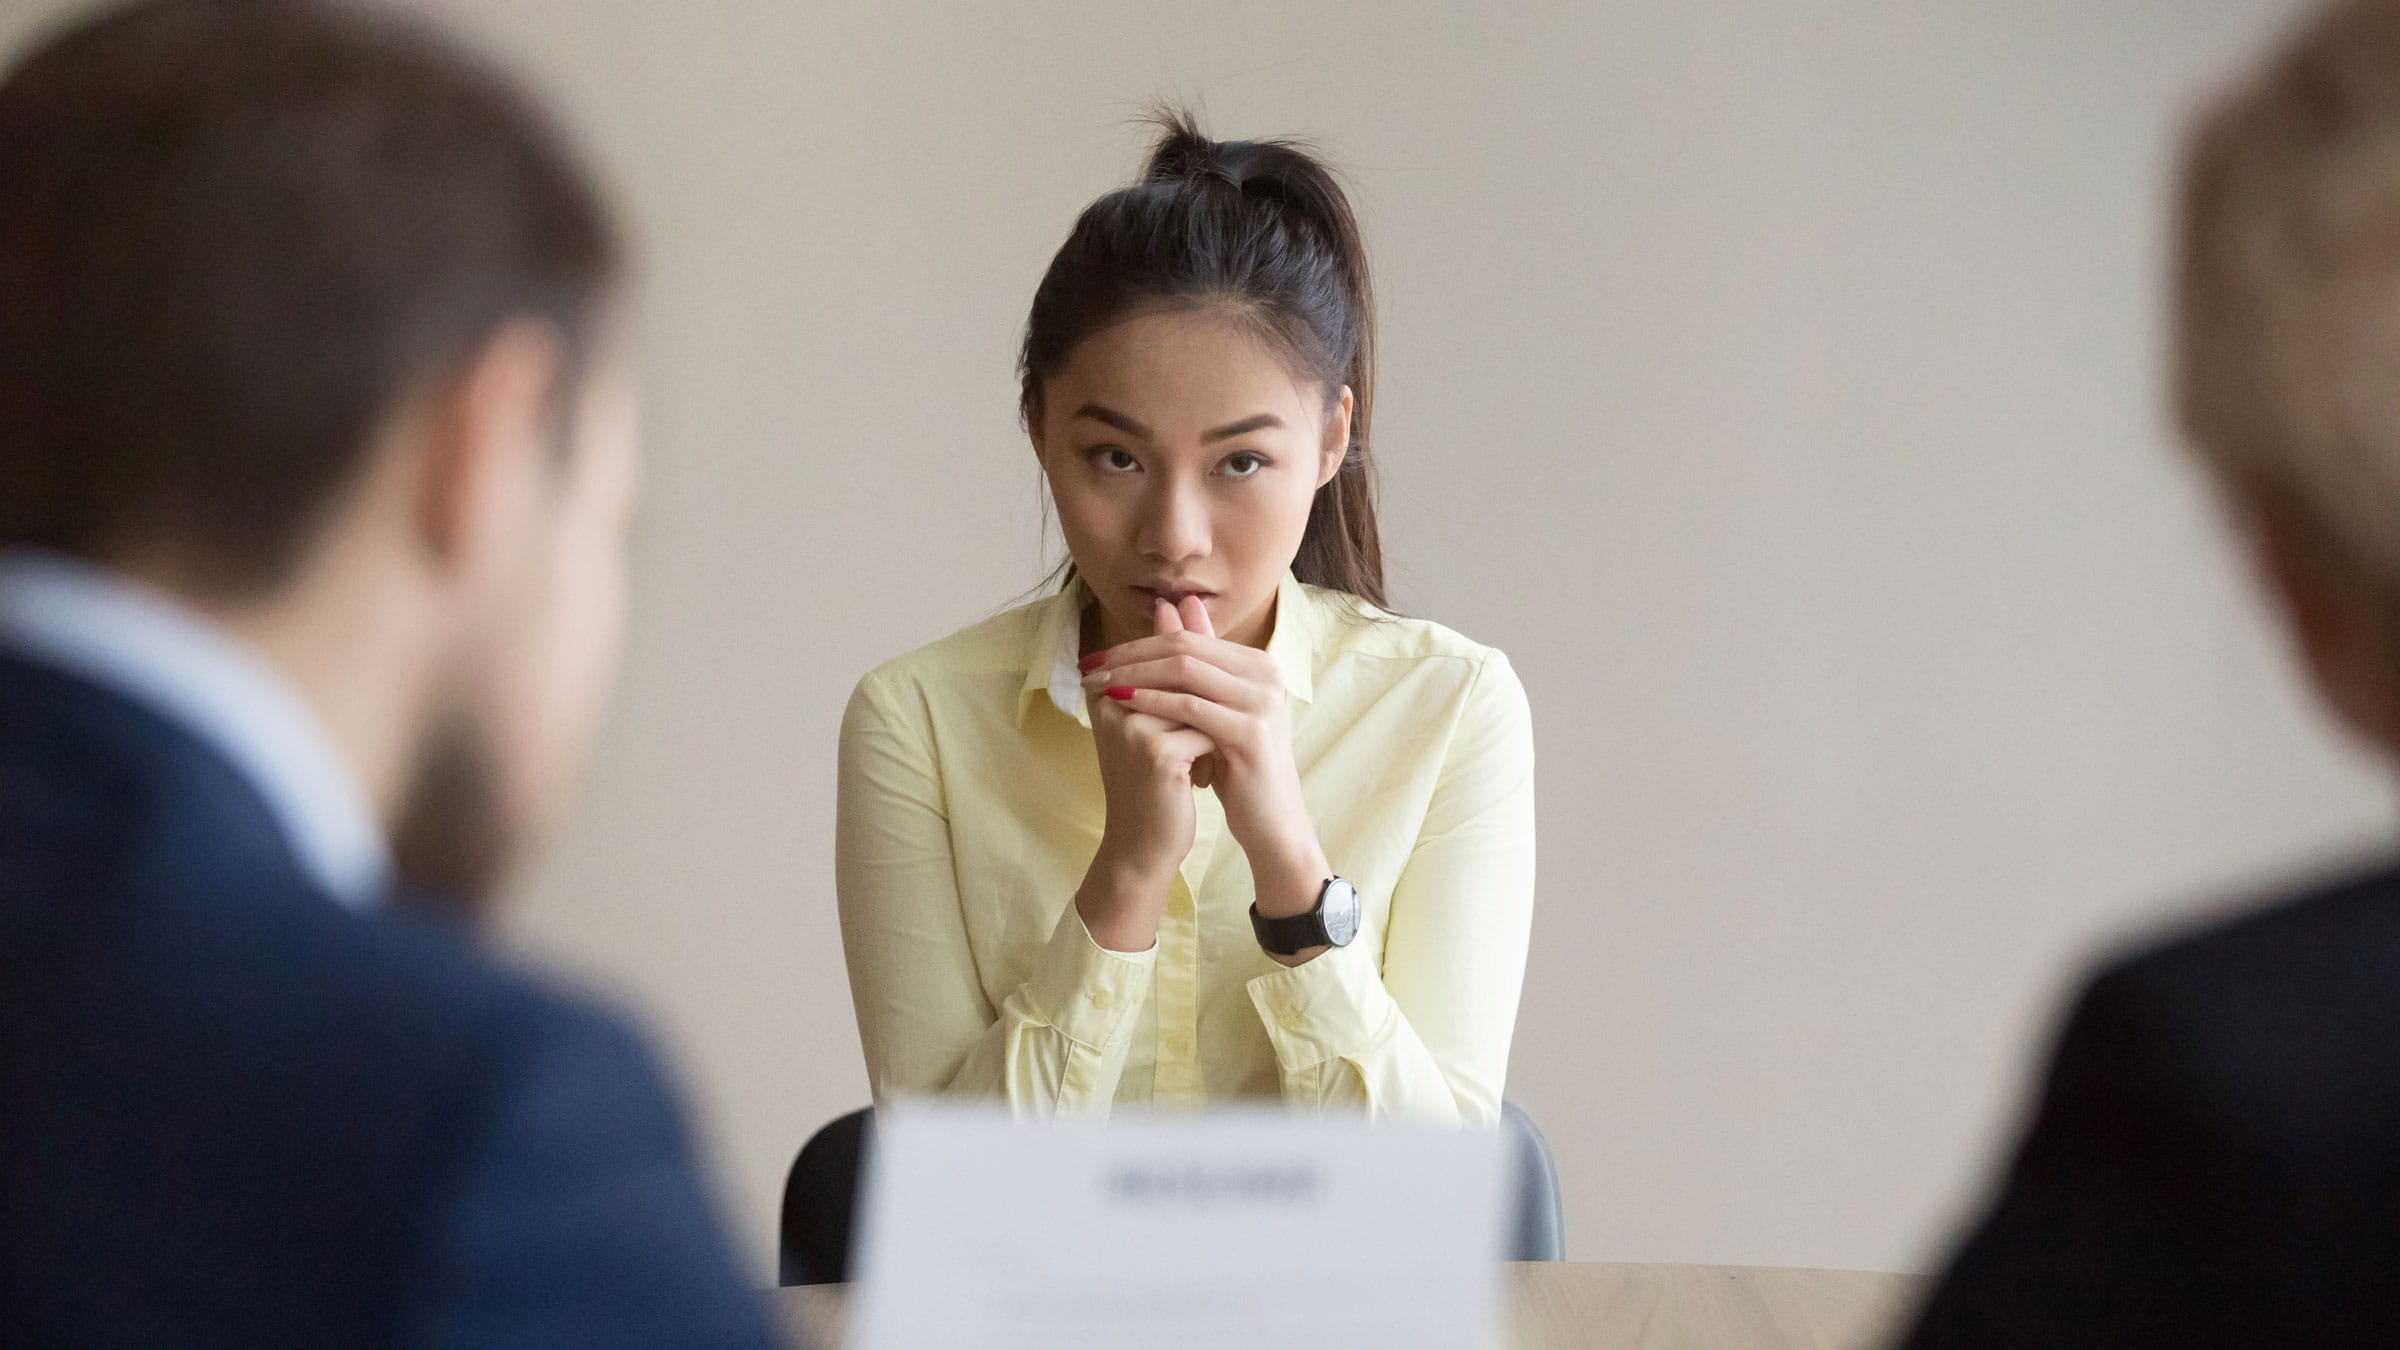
[[2215, 1158], [316, 459]]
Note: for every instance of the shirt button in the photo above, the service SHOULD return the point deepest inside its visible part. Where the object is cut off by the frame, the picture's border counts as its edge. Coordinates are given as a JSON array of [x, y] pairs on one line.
[[1100, 998], [1179, 1047], [1290, 1018]]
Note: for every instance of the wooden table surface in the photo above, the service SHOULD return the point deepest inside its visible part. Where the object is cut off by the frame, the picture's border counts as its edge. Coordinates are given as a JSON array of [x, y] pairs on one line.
[[1563, 1304]]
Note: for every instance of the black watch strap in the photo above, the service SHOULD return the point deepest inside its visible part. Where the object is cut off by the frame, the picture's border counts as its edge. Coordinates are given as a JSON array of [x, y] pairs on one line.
[[1289, 936], [1301, 932]]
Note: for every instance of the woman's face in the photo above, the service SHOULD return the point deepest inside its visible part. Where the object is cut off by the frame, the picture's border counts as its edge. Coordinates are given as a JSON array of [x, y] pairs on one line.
[[1183, 452]]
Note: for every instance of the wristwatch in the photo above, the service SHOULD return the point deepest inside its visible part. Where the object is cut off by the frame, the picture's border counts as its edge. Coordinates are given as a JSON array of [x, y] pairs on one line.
[[1332, 923]]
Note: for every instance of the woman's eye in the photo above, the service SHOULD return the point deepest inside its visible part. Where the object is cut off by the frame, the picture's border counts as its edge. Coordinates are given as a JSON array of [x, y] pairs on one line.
[[1111, 459], [1245, 464]]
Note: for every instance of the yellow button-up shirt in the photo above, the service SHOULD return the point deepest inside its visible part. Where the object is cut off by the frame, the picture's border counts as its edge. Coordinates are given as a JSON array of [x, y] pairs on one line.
[[970, 807]]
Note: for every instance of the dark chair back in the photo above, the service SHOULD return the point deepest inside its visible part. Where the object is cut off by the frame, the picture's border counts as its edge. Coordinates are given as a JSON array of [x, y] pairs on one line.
[[820, 1201], [820, 1197], [1538, 1231]]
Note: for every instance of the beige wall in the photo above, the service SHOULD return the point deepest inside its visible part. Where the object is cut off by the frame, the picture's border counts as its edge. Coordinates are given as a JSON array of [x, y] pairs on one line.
[[1777, 383]]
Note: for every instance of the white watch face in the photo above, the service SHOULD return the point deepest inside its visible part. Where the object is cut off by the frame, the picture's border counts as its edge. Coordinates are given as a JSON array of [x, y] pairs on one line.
[[1340, 912]]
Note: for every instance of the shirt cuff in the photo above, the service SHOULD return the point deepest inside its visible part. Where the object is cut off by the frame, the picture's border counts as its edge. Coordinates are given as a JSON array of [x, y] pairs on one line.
[[1088, 993], [1330, 1007]]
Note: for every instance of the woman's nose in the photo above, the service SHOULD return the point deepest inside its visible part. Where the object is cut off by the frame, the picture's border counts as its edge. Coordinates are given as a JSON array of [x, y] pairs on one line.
[[1176, 525]]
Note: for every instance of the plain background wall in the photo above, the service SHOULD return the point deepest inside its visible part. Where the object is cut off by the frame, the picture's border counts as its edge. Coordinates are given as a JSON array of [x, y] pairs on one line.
[[1777, 383]]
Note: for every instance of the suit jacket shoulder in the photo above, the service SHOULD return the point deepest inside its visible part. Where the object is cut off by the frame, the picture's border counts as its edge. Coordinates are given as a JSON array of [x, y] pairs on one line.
[[2215, 1155], [233, 1111]]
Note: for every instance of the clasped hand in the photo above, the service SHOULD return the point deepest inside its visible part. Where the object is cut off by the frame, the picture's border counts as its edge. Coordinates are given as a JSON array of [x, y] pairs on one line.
[[1184, 708]]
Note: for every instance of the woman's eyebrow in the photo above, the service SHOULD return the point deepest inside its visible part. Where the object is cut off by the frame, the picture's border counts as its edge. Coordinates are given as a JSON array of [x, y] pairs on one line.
[[1111, 417], [1247, 425]]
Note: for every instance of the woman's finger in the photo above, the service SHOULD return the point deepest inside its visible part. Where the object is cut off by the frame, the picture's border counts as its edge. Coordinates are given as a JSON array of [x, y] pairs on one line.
[[1218, 723], [1180, 743], [1188, 744], [1164, 618], [1246, 662], [1182, 674], [1195, 616], [1123, 719]]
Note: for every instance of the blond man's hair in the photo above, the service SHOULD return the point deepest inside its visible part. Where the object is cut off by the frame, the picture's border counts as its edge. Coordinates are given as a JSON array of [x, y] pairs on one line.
[[2287, 363]]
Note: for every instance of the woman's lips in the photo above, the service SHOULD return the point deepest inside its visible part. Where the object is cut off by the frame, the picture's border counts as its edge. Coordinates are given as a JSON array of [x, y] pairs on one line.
[[1176, 595]]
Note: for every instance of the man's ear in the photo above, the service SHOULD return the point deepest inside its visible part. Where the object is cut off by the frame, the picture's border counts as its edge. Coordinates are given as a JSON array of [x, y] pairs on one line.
[[2344, 620], [488, 434], [1336, 445]]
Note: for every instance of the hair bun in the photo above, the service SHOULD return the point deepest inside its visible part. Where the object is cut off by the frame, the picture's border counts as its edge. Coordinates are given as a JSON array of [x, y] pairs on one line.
[[1184, 155]]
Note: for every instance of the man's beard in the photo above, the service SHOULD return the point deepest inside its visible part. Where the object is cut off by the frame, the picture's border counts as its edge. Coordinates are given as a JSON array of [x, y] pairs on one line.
[[452, 844]]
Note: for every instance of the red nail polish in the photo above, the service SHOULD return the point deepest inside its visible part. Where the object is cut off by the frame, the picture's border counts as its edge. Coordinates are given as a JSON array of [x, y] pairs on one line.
[[1122, 693], [1093, 662]]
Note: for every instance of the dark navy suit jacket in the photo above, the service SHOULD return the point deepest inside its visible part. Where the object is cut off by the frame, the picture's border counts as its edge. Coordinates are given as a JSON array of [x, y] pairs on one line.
[[234, 1112], [2215, 1160]]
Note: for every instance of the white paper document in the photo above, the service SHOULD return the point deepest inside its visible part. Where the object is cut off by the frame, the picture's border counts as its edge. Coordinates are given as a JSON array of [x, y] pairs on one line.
[[1250, 1229]]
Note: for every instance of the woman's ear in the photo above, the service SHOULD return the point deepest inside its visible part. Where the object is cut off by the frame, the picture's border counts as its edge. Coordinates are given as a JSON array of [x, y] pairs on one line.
[[1336, 446], [1033, 436]]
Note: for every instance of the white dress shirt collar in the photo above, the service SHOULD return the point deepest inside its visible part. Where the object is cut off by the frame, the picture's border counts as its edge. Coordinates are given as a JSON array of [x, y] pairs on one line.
[[85, 621]]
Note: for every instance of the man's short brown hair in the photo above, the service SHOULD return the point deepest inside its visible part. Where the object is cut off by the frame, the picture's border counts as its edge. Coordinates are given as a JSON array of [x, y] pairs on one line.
[[2287, 367], [235, 236]]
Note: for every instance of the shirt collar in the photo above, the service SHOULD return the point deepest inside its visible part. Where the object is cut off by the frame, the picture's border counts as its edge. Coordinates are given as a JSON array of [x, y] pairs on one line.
[[1057, 645], [81, 619]]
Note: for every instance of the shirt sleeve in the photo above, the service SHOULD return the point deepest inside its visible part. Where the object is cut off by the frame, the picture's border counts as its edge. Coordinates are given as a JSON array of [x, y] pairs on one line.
[[1427, 1035], [1055, 1045]]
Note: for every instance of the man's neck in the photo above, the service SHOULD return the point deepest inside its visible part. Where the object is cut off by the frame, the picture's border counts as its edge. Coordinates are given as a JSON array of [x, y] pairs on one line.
[[225, 689], [336, 633]]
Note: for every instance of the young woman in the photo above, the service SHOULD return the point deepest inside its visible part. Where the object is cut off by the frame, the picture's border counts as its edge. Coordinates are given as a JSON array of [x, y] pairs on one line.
[[1207, 823]]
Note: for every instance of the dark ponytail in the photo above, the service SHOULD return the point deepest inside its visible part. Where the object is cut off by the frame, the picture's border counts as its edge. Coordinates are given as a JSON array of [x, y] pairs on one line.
[[1261, 230]]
